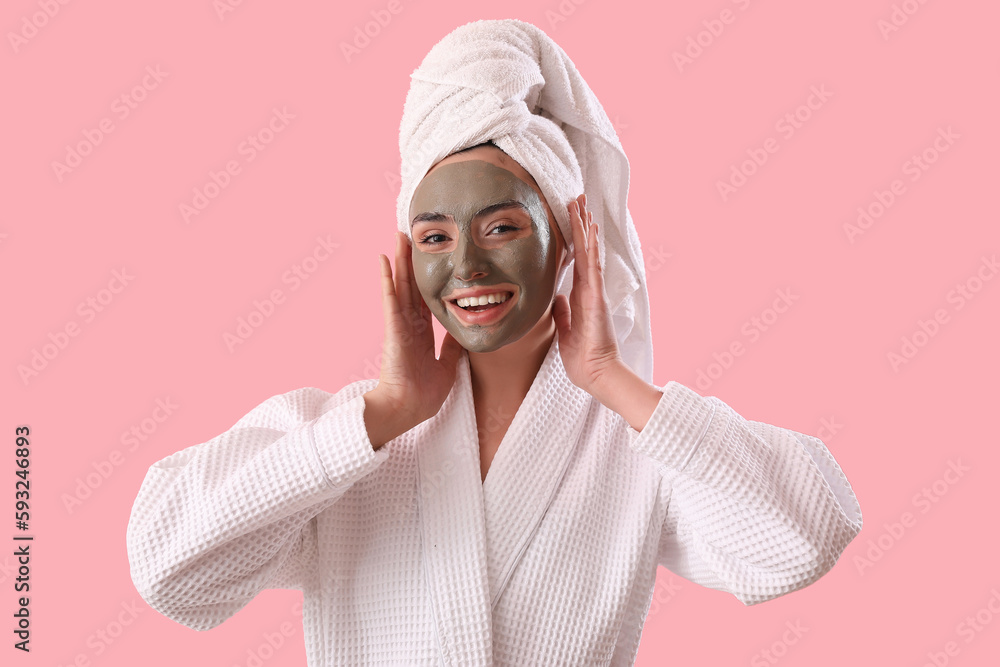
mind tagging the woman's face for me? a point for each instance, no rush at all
(480, 230)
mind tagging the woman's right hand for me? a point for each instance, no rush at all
(413, 383)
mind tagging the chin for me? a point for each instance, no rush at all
(481, 346)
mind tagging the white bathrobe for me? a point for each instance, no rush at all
(405, 557)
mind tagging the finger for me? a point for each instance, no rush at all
(417, 299)
(594, 249)
(561, 315)
(579, 243)
(403, 273)
(595, 273)
(421, 308)
(579, 238)
(390, 307)
(584, 261)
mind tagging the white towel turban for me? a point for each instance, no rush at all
(507, 82)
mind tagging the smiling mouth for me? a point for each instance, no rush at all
(482, 303)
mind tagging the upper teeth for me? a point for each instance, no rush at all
(497, 297)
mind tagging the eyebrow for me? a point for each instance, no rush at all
(434, 216)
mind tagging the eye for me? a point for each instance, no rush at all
(427, 239)
(504, 228)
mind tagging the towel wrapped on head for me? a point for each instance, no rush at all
(506, 82)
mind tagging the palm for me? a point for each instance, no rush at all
(587, 340)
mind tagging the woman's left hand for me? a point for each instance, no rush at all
(587, 342)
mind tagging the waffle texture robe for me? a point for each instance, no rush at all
(406, 557)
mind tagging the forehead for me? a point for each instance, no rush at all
(455, 188)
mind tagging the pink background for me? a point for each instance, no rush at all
(902, 590)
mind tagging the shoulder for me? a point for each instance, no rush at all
(302, 405)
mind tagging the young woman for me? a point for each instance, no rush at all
(508, 501)
(483, 230)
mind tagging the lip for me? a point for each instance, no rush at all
(479, 291)
(487, 316)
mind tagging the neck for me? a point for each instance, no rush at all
(509, 371)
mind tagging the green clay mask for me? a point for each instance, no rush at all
(478, 226)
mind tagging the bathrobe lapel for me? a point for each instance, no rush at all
(475, 533)
(529, 465)
(454, 533)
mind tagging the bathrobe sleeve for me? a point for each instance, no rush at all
(752, 509)
(216, 523)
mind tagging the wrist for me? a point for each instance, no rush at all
(385, 418)
(610, 382)
(621, 390)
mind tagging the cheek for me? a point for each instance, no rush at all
(530, 259)
(422, 287)
(428, 271)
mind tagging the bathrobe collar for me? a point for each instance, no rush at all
(475, 532)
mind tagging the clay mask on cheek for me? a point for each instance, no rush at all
(458, 244)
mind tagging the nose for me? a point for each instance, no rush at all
(470, 261)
